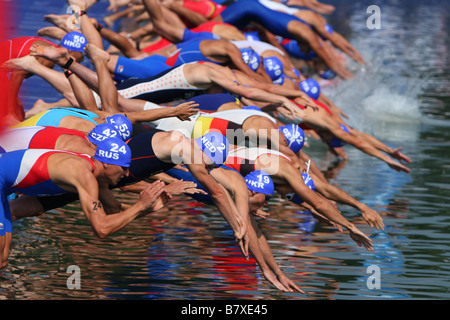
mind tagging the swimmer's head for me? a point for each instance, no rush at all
(74, 41)
(215, 145)
(280, 80)
(122, 124)
(327, 74)
(113, 151)
(273, 67)
(336, 142)
(252, 36)
(294, 136)
(309, 183)
(311, 87)
(102, 132)
(251, 58)
(260, 182)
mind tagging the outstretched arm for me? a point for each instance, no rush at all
(323, 206)
(258, 244)
(83, 181)
(334, 193)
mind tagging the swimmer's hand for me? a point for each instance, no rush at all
(185, 110)
(261, 213)
(395, 153)
(360, 238)
(243, 243)
(372, 218)
(288, 284)
(154, 197)
(182, 187)
(397, 166)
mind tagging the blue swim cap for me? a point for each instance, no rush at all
(294, 135)
(215, 145)
(113, 151)
(311, 87)
(252, 108)
(293, 48)
(260, 182)
(309, 183)
(327, 74)
(102, 132)
(273, 67)
(74, 41)
(252, 36)
(251, 58)
(280, 80)
(336, 142)
(122, 124)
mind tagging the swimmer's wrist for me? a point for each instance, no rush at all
(68, 63)
(68, 73)
(80, 13)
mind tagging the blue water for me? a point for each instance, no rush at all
(187, 252)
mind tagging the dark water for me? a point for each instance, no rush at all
(187, 252)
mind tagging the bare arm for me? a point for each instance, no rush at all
(183, 111)
(226, 79)
(81, 179)
(293, 177)
(331, 192)
(258, 245)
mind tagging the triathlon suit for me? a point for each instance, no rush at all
(223, 121)
(165, 87)
(144, 162)
(26, 171)
(244, 159)
(242, 12)
(206, 8)
(185, 52)
(36, 137)
(273, 5)
(293, 48)
(52, 117)
(189, 51)
(208, 26)
(212, 102)
(127, 68)
(189, 34)
(18, 47)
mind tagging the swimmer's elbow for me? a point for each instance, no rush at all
(102, 232)
(217, 193)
